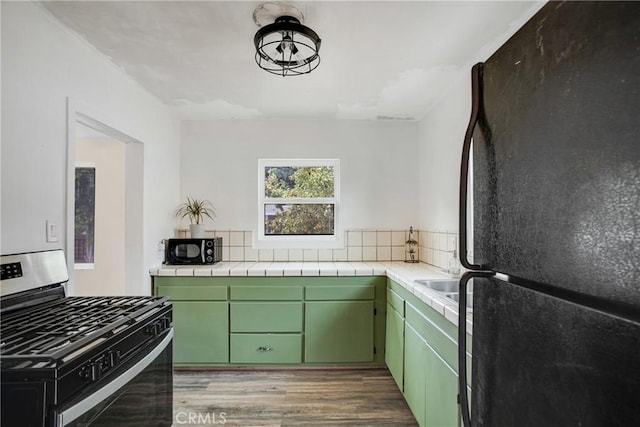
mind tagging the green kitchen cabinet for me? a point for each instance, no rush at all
(431, 385)
(441, 405)
(415, 378)
(394, 339)
(430, 358)
(394, 352)
(276, 320)
(201, 332)
(339, 331)
(200, 319)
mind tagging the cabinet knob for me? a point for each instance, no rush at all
(263, 349)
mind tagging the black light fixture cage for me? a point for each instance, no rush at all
(287, 48)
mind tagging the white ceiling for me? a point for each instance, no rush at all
(379, 59)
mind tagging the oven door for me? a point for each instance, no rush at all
(141, 395)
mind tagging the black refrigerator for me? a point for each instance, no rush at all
(554, 149)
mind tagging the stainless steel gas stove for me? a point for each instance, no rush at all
(80, 361)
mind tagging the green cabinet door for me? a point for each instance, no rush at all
(430, 384)
(338, 331)
(201, 332)
(394, 345)
(441, 403)
(415, 349)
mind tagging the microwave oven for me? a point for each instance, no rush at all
(192, 251)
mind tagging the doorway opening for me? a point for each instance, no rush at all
(104, 239)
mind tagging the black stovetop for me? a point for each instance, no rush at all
(48, 334)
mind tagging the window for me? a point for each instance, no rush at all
(85, 214)
(298, 204)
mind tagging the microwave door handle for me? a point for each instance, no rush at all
(476, 96)
(202, 254)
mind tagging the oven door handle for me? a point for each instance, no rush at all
(70, 414)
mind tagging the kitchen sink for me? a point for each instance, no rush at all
(456, 298)
(440, 285)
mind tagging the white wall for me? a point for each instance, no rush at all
(43, 64)
(219, 161)
(441, 134)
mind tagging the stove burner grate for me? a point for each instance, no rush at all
(51, 331)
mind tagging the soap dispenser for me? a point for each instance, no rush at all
(454, 265)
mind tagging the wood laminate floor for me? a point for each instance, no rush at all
(344, 397)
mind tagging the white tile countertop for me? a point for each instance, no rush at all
(402, 273)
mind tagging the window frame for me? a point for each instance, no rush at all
(264, 241)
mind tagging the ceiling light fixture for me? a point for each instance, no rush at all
(285, 47)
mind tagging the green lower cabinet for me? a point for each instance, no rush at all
(339, 332)
(415, 379)
(276, 320)
(394, 341)
(441, 403)
(430, 384)
(266, 348)
(201, 332)
(430, 359)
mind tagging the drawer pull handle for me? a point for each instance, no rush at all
(263, 349)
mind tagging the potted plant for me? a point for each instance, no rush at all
(196, 210)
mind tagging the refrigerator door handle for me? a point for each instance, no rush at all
(463, 397)
(476, 96)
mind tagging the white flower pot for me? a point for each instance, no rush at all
(196, 230)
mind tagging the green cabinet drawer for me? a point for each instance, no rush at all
(396, 301)
(336, 293)
(266, 316)
(193, 292)
(266, 293)
(266, 348)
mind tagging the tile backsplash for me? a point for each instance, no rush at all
(437, 247)
(434, 247)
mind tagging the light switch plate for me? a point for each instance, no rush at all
(52, 232)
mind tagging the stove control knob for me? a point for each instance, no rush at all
(156, 328)
(113, 357)
(96, 371)
(166, 323)
(92, 371)
(153, 329)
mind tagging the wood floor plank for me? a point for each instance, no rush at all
(282, 398)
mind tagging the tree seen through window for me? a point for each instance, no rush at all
(296, 200)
